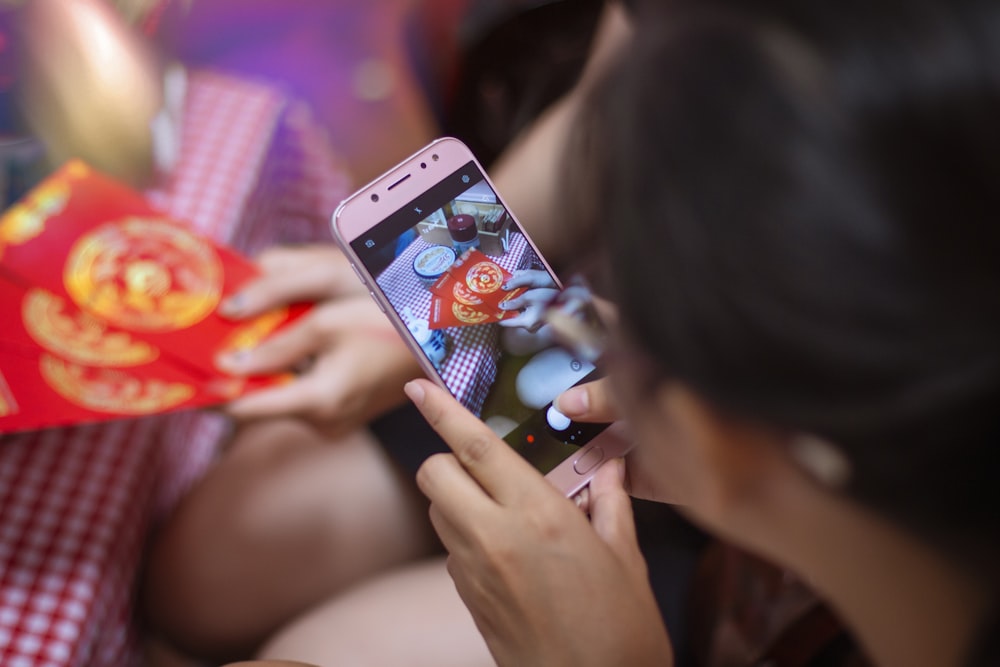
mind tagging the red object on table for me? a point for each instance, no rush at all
(76, 503)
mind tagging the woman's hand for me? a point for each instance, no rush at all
(544, 586)
(530, 278)
(531, 304)
(593, 403)
(307, 273)
(353, 363)
(541, 289)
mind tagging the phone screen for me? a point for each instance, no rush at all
(445, 262)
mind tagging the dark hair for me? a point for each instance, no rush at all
(809, 193)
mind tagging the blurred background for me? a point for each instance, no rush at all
(87, 78)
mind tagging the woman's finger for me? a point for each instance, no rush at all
(455, 497)
(535, 297)
(454, 540)
(529, 278)
(280, 352)
(292, 275)
(590, 402)
(504, 475)
(517, 303)
(317, 332)
(525, 320)
(292, 398)
(611, 510)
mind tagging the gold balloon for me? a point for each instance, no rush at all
(92, 86)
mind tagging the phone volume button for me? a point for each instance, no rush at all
(357, 273)
(377, 302)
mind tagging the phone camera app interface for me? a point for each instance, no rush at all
(471, 289)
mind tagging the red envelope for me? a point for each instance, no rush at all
(43, 390)
(98, 286)
(96, 243)
(470, 293)
(445, 313)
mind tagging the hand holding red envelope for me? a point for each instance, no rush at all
(110, 308)
(470, 293)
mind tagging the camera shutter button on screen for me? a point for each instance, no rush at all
(556, 419)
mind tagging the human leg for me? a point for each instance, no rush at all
(411, 616)
(284, 520)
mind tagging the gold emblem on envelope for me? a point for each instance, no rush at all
(468, 315)
(74, 335)
(464, 295)
(26, 220)
(111, 390)
(144, 274)
(485, 278)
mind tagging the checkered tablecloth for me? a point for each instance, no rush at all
(76, 503)
(471, 365)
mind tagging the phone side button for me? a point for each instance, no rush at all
(377, 302)
(357, 273)
(588, 461)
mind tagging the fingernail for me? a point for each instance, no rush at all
(415, 392)
(574, 402)
(233, 306)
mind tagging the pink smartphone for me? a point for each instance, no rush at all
(439, 251)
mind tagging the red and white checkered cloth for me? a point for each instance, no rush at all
(471, 365)
(76, 503)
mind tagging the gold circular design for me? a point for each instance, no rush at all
(464, 295)
(468, 315)
(111, 390)
(145, 274)
(77, 336)
(484, 278)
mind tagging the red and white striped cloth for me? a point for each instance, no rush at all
(471, 365)
(76, 503)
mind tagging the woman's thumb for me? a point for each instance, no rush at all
(611, 509)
